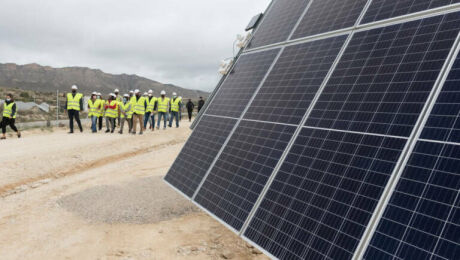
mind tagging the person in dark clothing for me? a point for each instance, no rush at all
(9, 116)
(74, 104)
(190, 106)
(200, 104)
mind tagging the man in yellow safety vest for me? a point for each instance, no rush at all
(112, 110)
(126, 110)
(140, 105)
(9, 116)
(174, 108)
(119, 99)
(74, 104)
(163, 108)
(94, 106)
(150, 111)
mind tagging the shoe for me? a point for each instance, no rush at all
(133, 133)
(120, 132)
(107, 131)
(164, 128)
(158, 128)
(141, 133)
(112, 131)
(19, 135)
(71, 132)
(81, 130)
(2, 138)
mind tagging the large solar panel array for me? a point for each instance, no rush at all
(340, 141)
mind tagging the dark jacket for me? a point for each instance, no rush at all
(200, 103)
(190, 106)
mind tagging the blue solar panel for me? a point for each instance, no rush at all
(235, 93)
(324, 194)
(198, 153)
(444, 121)
(329, 15)
(278, 23)
(384, 9)
(294, 80)
(384, 77)
(422, 219)
(242, 170)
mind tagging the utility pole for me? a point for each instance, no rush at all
(57, 107)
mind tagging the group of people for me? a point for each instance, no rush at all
(131, 109)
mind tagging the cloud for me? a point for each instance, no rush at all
(175, 41)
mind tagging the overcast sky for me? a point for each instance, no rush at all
(171, 41)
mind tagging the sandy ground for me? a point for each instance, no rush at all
(101, 196)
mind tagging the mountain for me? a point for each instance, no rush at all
(47, 79)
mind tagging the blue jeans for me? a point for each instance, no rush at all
(94, 124)
(146, 119)
(152, 123)
(174, 115)
(165, 117)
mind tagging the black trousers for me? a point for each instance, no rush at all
(74, 114)
(190, 112)
(8, 122)
(99, 119)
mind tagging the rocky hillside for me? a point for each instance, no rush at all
(47, 79)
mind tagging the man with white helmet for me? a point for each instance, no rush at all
(101, 110)
(112, 110)
(119, 99)
(94, 106)
(150, 111)
(73, 105)
(174, 108)
(163, 108)
(140, 106)
(126, 109)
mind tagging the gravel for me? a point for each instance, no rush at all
(148, 200)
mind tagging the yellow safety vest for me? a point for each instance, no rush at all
(139, 105)
(100, 111)
(175, 105)
(129, 113)
(112, 112)
(163, 104)
(151, 104)
(94, 107)
(74, 102)
(8, 110)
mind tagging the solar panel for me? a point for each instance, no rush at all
(240, 85)
(384, 9)
(444, 121)
(422, 219)
(242, 170)
(278, 23)
(329, 15)
(324, 194)
(198, 153)
(384, 77)
(294, 80)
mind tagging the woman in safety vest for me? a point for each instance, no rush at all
(111, 112)
(94, 105)
(9, 116)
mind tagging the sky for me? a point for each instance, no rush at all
(171, 41)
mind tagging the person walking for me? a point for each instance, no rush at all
(140, 105)
(74, 104)
(9, 116)
(150, 111)
(126, 110)
(174, 108)
(94, 105)
(101, 111)
(163, 107)
(119, 99)
(111, 112)
(200, 104)
(190, 106)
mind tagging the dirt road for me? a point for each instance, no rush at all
(100, 196)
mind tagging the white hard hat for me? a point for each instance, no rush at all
(163, 92)
(94, 93)
(174, 94)
(145, 93)
(131, 91)
(74, 87)
(99, 94)
(116, 90)
(136, 91)
(150, 91)
(113, 95)
(125, 95)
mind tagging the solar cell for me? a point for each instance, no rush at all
(294, 80)
(329, 15)
(384, 77)
(235, 93)
(278, 23)
(384, 9)
(198, 153)
(242, 170)
(422, 219)
(444, 121)
(324, 194)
